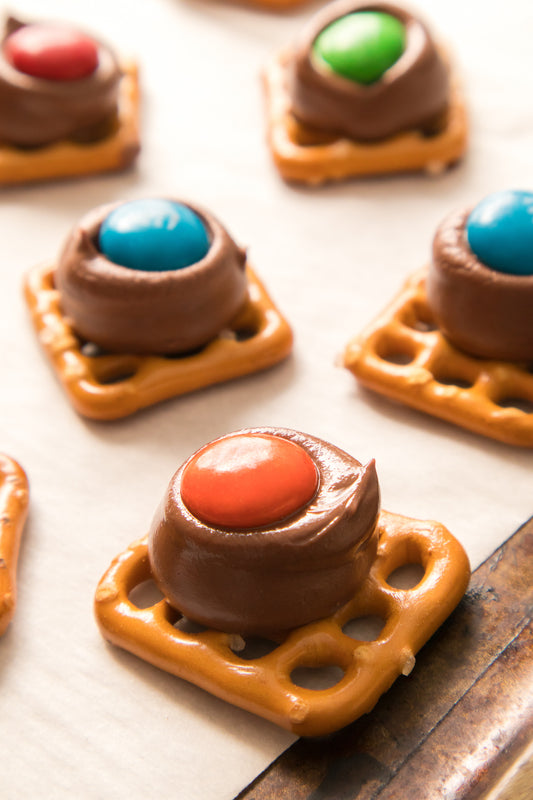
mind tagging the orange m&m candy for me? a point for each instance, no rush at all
(248, 481)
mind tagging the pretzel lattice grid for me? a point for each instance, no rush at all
(110, 386)
(210, 659)
(402, 355)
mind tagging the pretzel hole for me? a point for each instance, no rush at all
(306, 136)
(238, 334)
(255, 647)
(419, 317)
(519, 403)
(145, 594)
(109, 368)
(116, 373)
(243, 334)
(452, 380)
(90, 350)
(406, 577)
(317, 678)
(96, 132)
(186, 625)
(396, 353)
(247, 323)
(364, 629)
(27, 148)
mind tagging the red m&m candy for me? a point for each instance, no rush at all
(248, 481)
(52, 52)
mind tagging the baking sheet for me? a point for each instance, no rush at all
(79, 718)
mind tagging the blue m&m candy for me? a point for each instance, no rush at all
(154, 235)
(500, 232)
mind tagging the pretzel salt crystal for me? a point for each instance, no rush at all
(13, 510)
(438, 378)
(210, 659)
(112, 386)
(67, 159)
(306, 156)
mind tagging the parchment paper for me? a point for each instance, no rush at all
(78, 717)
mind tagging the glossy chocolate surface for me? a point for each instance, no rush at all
(482, 311)
(35, 112)
(127, 310)
(277, 577)
(412, 94)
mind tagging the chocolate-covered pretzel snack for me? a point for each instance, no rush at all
(148, 300)
(67, 106)
(365, 90)
(274, 533)
(280, 574)
(457, 342)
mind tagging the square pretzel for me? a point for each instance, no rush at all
(67, 159)
(14, 498)
(301, 157)
(263, 685)
(404, 356)
(114, 385)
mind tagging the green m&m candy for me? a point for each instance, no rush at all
(361, 46)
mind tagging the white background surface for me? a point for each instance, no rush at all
(77, 717)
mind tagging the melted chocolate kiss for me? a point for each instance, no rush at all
(482, 311)
(411, 95)
(280, 576)
(136, 311)
(37, 112)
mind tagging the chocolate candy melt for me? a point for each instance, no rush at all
(411, 95)
(139, 311)
(36, 111)
(286, 573)
(481, 310)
